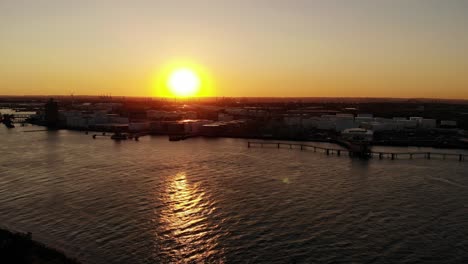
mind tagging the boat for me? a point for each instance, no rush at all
(177, 137)
(119, 136)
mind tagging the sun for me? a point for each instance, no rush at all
(183, 82)
(181, 78)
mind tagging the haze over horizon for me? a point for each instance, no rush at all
(298, 48)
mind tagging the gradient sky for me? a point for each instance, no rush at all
(367, 48)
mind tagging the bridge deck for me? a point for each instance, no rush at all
(380, 154)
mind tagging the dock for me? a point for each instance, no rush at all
(371, 154)
(120, 136)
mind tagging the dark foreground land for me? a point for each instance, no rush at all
(19, 248)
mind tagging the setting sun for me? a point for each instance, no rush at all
(182, 78)
(184, 82)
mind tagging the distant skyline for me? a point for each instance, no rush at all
(257, 48)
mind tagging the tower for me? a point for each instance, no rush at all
(51, 113)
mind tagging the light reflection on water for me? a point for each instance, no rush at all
(184, 222)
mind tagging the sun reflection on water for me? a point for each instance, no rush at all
(188, 235)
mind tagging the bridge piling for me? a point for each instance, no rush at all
(350, 152)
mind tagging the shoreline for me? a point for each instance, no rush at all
(375, 143)
(16, 247)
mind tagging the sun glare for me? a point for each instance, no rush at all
(183, 82)
(182, 78)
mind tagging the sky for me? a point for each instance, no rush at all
(259, 48)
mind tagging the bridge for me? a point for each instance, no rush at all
(369, 154)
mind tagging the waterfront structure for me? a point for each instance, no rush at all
(360, 150)
(279, 122)
(163, 115)
(139, 126)
(229, 128)
(89, 119)
(341, 122)
(6, 119)
(51, 113)
(357, 134)
(448, 124)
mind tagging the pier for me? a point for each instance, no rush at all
(119, 135)
(371, 154)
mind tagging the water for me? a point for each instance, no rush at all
(217, 201)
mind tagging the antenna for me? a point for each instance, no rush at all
(72, 98)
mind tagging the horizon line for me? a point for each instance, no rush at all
(241, 97)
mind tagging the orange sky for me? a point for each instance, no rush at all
(244, 48)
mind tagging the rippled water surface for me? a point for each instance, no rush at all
(215, 201)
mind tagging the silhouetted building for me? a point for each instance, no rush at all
(51, 113)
